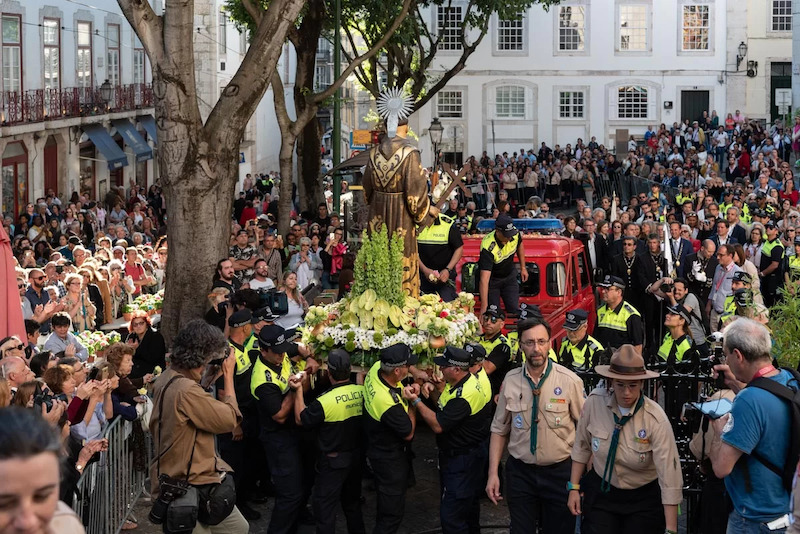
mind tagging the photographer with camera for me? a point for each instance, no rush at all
(187, 473)
(677, 293)
(753, 456)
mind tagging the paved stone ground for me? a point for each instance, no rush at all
(422, 501)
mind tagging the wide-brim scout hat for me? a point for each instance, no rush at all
(626, 364)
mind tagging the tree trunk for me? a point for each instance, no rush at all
(308, 153)
(285, 202)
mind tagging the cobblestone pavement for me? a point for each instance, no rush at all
(422, 501)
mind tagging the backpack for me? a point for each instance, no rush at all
(792, 397)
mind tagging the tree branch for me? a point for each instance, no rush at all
(148, 26)
(319, 97)
(242, 95)
(254, 10)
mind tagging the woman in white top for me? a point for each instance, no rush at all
(297, 304)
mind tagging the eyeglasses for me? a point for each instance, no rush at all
(12, 347)
(20, 286)
(491, 318)
(38, 277)
(138, 323)
(531, 342)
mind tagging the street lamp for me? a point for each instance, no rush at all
(435, 130)
(107, 93)
(742, 49)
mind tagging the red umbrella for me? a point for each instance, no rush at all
(11, 322)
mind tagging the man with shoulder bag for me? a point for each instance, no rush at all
(192, 487)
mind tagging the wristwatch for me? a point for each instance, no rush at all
(571, 486)
(79, 467)
(416, 401)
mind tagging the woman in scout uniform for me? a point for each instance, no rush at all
(678, 340)
(635, 484)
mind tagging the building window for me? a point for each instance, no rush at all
(138, 61)
(570, 104)
(632, 102)
(323, 77)
(223, 32)
(696, 27)
(83, 62)
(781, 16)
(51, 67)
(112, 40)
(510, 102)
(510, 36)
(449, 25)
(633, 27)
(12, 53)
(571, 28)
(448, 104)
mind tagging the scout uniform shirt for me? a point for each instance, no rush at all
(558, 409)
(386, 421)
(646, 450)
(337, 413)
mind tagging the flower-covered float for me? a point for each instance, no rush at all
(377, 313)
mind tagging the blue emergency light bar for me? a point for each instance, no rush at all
(542, 226)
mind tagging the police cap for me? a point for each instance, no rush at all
(797, 240)
(338, 360)
(612, 281)
(398, 355)
(477, 352)
(529, 311)
(263, 314)
(505, 225)
(275, 338)
(493, 310)
(454, 357)
(576, 319)
(240, 318)
(741, 276)
(678, 309)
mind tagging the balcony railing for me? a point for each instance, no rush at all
(40, 105)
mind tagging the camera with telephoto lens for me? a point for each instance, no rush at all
(169, 489)
(715, 358)
(274, 299)
(667, 288)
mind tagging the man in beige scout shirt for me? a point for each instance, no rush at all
(537, 410)
(635, 485)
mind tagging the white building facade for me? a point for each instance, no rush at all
(587, 68)
(75, 102)
(759, 78)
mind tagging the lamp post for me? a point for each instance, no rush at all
(742, 52)
(336, 136)
(107, 93)
(435, 130)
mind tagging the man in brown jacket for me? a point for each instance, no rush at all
(184, 430)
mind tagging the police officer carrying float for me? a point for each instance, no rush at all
(337, 414)
(498, 274)
(478, 355)
(579, 350)
(537, 410)
(243, 442)
(618, 323)
(440, 248)
(269, 385)
(497, 346)
(389, 424)
(461, 424)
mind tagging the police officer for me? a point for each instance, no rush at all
(537, 410)
(579, 350)
(461, 424)
(337, 414)
(261, 318)
(269, 385)
(618, 323)
(739, 280)
(389, 425)
(440, 248)
(745, 305)
(464, 219)
(793, 271)
(243, 442)
(635, 486)
(769, 271)
(499, 358)
(678, 339)
(478, 354)
(498, 274)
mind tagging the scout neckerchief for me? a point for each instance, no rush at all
(535, 411)
(605, 486)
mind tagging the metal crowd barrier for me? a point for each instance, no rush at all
(109, 488)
